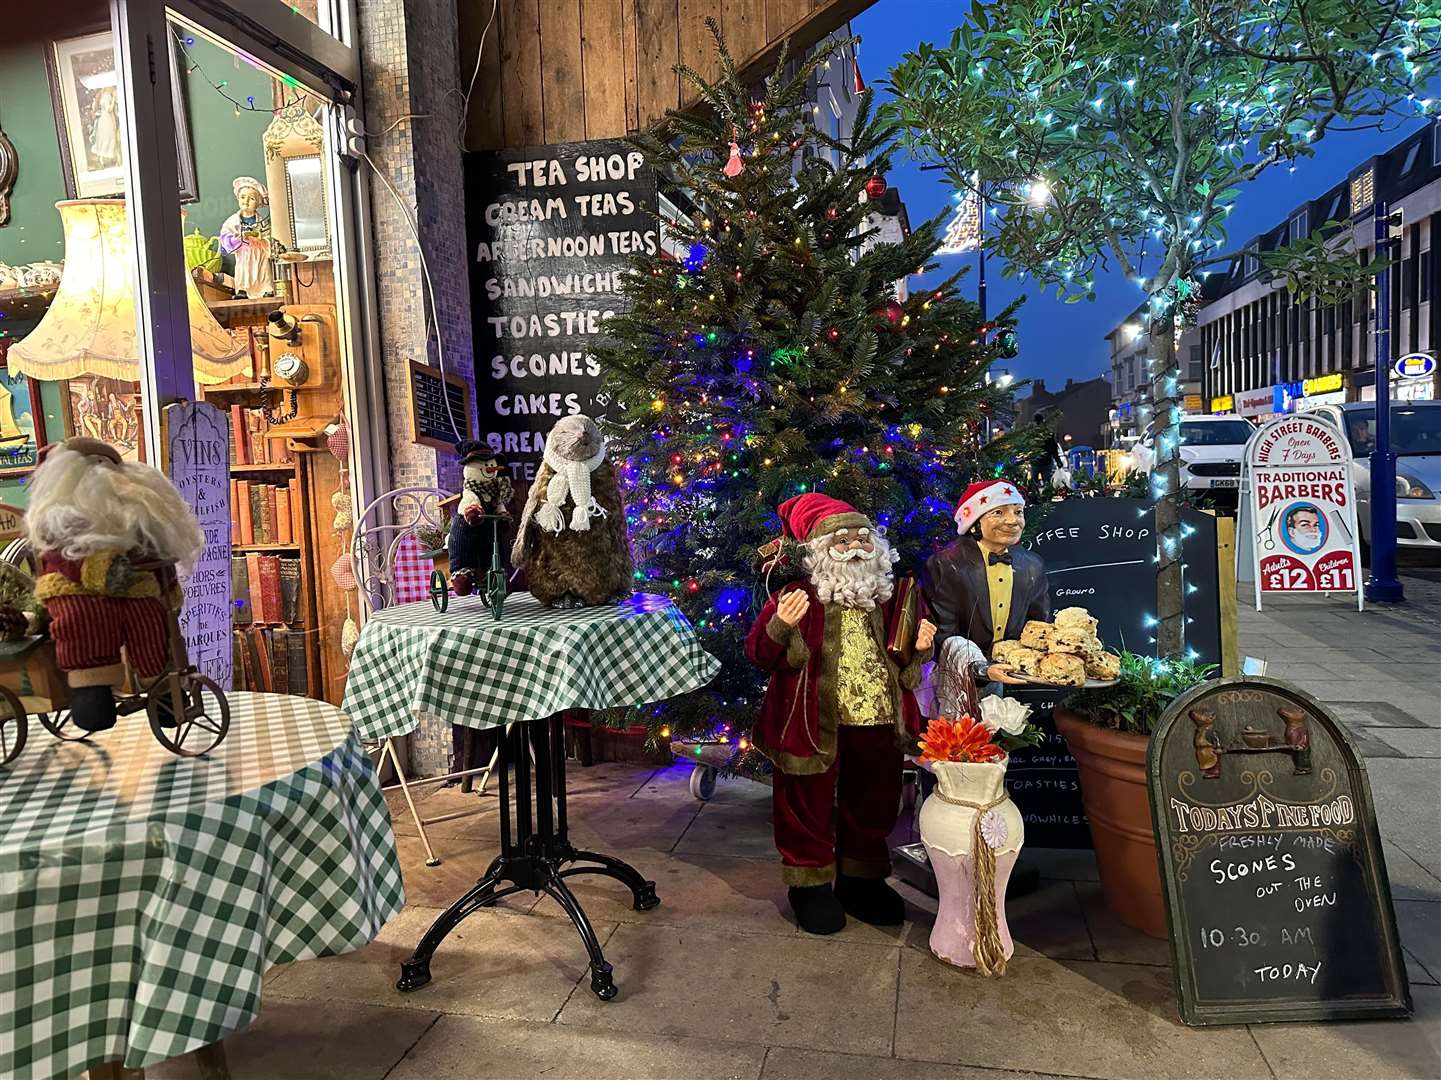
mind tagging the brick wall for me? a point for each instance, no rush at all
(410, 66)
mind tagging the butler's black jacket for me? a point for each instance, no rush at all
(960, 600)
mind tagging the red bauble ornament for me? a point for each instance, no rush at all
(832, 213)
(833, 335)
(891, 313)
(825, 236)
(876, 187)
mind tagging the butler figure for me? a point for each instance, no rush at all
(836, 715)
(982, 586)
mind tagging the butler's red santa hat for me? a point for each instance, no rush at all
(808, 516)
(982, 497)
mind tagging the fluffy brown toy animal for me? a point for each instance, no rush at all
(572, 536)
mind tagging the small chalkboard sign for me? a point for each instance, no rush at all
(431, 422)
(1275, 886)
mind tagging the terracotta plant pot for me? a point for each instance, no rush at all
(1113, 790)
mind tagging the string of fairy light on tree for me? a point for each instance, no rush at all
(770, 357)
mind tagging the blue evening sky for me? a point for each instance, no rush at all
(1060, 341)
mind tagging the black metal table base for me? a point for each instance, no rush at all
(535, 854)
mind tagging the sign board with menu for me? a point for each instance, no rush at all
(1275, 885)
(197, 449)
(1300, 507)
(439, 407)
(552, 234)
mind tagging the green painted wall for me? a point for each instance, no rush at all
(226, 145)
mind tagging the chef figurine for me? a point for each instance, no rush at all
(246, 236)
(982, 586)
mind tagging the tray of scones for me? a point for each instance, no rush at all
(1065, 652)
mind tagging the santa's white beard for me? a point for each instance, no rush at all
(859, 583)
(80, 507)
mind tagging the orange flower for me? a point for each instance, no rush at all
(958, 740)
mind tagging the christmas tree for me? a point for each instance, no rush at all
(774, 357)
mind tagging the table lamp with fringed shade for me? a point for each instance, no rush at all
(89, 328)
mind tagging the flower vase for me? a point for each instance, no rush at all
(973, 833)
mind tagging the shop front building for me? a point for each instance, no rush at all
(241, 274)
(1261, 343)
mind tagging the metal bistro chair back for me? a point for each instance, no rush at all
(381, 547)
(384, 554)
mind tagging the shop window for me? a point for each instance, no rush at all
(1253, 261)
(261, 249)
(1363, 190)
(1428, 271)
(1412, 153)
(1408, 281)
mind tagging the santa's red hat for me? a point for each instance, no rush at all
(984, 496)
(807, 516)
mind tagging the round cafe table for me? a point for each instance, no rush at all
(143, 896)
(521, 673)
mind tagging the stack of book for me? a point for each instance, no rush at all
(268, 638)
(265, 513)
(251, 442)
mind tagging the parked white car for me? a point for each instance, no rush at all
(1211, 451)
(1416, 438)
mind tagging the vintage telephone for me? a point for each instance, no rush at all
(300, 341)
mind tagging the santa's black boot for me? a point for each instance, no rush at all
(817, 909)
(871, 900)
(92, 707)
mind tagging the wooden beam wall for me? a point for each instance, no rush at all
(559, 70)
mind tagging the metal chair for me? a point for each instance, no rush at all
(383, 554)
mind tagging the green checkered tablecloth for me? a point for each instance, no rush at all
(465, 668)
(144, 896)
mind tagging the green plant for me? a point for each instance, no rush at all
(1145, 688)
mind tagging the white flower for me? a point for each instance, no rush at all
(994, 830)
(1004, 714)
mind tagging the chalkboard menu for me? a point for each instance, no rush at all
(1275, 886)
(198, 464)
(552, 231)
(434, 420)
(1099, 555)
(1043, 780)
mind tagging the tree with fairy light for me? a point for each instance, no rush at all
(775, 358)
(1119, 132)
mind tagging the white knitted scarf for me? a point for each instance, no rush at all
(572, 478)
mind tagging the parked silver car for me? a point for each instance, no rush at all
(1416, 438)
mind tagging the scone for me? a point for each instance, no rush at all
(1075, 618)
(1062, 669)
(1003, 651)
(1026, 661)
(1103, 666)
(1036, 635)
(1076, 641)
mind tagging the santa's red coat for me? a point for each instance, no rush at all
(797, 725)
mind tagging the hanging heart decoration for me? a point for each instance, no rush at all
(344, 511)
(349, 636)
(338, 443)
(343, 573)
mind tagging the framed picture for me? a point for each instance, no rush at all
(22, 421)
(85, 95)
(108, 410)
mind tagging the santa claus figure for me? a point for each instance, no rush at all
(982, 586)
(109, 535)
(837, 716)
